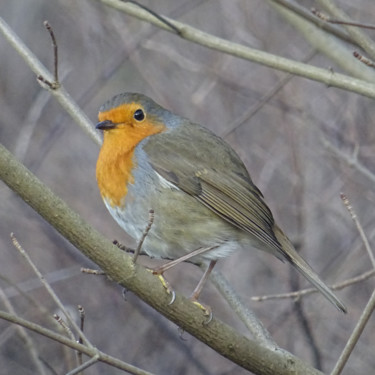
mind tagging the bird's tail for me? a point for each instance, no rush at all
(301, 265)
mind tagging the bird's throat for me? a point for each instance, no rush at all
(114, 173)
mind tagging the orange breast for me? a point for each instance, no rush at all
(114, 173)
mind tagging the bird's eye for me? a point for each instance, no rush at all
(139, 115)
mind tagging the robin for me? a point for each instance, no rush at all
(205, 204)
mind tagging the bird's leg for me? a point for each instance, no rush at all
(161, 269)
(198, 289)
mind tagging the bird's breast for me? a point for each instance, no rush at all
(114, 173)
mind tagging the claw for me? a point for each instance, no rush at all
(166, 286)
(207, 311)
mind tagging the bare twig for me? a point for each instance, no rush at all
(350, 160)
(29, 342)
(364, 59)
(50, 290)
(156, 15)
(85, 365)
(304, 292)
(356, 33)
(329, 19)
(354, 217)
(64, 326)
(92, 352)
(144, 235)
(55, 84)
(355, 335)
(303, 12)
(40, 70)
(91, 271)
(82, 321)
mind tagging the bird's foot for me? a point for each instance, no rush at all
(207, 311)
(165, 284)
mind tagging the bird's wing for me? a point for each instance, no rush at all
(204, 166)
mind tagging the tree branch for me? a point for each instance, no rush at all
(197, 36)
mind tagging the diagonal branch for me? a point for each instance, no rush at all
(197, 36)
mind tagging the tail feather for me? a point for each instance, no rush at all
(302, 266)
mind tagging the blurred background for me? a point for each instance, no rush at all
(282, 139)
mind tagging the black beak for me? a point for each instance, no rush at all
(105, 125)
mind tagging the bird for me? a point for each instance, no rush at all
(204, 201)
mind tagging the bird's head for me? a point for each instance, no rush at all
(129, 118)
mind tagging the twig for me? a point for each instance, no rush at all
(304, 292)
(29, 342)
(157, 16)
(49, 289)
(73, 344)
(350, 160)
(364, 59)
(137, 251)
(354, 217)
(85, 365)
(81, 312)
(365, 316)
(90, 271)
(55, 84)
(303, 12)
(360, 38)
(329, 19)
(64, 326)
(40, 70)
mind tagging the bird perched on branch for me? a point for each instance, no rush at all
(204, 201)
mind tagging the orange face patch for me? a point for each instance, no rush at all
(116, 158)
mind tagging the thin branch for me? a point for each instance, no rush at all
(81, 312)
(306, 14)
(363, 59)
(92, 352)
(90, 271)
(64, 326)
(29, 342)
(356, 34)
(365, 316)
(144, 235)
(350, 160)
(354, 217)
(304, 292)
(40, 70)
(84, 366)
(55, 84)
(156, 15)
(329, 19)
(49, 289)
(263, 100)
(277, 62)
